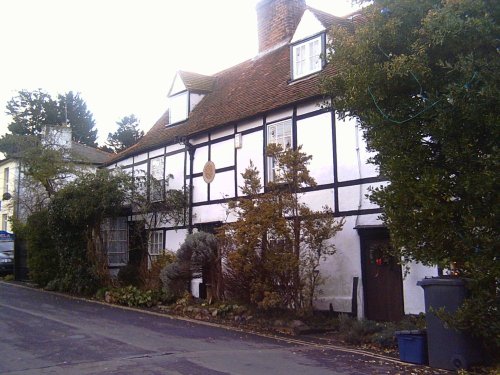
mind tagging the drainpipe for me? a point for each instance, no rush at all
(358, 155)
(191, 150)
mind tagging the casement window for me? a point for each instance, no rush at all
(157, 179)
(5, 221)
(140, 180)
(6, 180)
(115, 236)
(155, 246)
(306, 57)
(178, 108)
(278, 133)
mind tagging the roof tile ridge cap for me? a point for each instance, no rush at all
(270, 50)
(312, 9)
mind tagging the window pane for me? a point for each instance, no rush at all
(278, 133)
(307, 57)
(178, 107)
(156, 180)
(115, 236)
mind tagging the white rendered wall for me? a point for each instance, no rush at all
(413, 295)
(174, 239)
(339, 271)
(250, 124)
(349, 138)
(316, 200)
(125, 162)
(356, 196)
(155, 153)
(252, 149)
(200, 191)
(174, 165)
(200, 158)
(305, 108)
(140, 158)
(219, 133)
(279, 115)
(222, 153)
(209, 213)
(315, 136)
(222, 186)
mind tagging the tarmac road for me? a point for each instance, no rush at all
(47, 333)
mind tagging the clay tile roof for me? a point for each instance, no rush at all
(251, 88)
(197, 82)
(326, 19)
(87, 154)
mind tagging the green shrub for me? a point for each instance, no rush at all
(101, 293)
(129, 275)
(43, 257)
(134, 297)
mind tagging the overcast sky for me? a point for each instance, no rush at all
(121, 55)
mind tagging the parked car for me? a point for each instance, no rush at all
(6, 264)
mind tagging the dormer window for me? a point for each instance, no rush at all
(179, 105)
(307, 57)
(187, 90)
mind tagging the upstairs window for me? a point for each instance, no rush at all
(306, 57)
(179, 107)
(278, 133)
(6, 180)
(157, 179)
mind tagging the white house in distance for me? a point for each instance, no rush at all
(20, 197)
(216, 124)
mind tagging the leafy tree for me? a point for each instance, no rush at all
(72, 107)
(76, 215)
(45, 165)
(422, 79)
(275, 246)
(127, 134)
(32, 110)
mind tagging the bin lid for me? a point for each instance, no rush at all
(411, 332)
(443, 280)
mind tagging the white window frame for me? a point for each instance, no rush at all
(5, 221)
(280, 132)
(6, 176)
(307, 57)
(157, 179)
(155, 243)
(178, 107)
(115, 236)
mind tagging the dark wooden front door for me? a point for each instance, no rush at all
(382, 279)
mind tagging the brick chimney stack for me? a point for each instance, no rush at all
(277, 21)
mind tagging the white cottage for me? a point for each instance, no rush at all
(216, 124)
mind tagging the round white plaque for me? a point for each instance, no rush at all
(209, 172)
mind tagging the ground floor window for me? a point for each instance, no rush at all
(115, 235)
(5, 221)
(155, 247)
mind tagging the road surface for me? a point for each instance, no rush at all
(47, 333)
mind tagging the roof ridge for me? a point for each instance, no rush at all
(91, 147)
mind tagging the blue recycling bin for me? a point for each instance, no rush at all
(412, 346)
